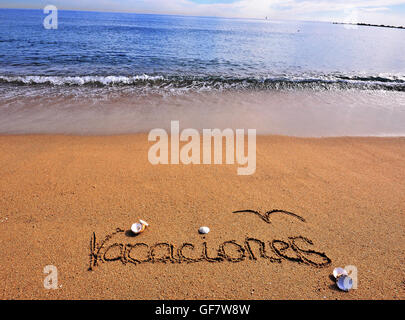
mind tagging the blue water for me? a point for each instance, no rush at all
(198, 52)
(113, 73)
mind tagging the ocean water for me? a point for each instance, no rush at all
(101, 69)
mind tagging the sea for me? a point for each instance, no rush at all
(120, 73)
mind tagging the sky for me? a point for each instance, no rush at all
(390, 12)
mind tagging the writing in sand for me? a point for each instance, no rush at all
(294, 249)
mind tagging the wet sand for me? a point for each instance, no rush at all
(58, 193)
(110, 111)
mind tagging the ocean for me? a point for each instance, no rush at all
(113, 73)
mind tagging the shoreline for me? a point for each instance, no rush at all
(57, 191)
(296, 113)
(145, 134)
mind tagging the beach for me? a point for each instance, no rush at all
(62, 196)
(321, 107)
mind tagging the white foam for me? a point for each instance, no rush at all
(79, 80)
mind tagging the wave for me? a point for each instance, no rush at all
(334, 81)
(78, 80)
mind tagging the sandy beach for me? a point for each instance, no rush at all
(69, 201)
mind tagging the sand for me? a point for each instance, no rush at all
(56, 191)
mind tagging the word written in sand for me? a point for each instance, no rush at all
(190, 152)
(274, 251)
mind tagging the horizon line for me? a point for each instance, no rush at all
(172, 14)
(215, 17)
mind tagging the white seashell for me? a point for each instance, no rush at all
(338, 272)
(137, 227)
(204, 230)
(344, 283)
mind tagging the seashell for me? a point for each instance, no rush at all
(204, 230)
(138, 227)
(338, 272)
(144, 222)
(344, 283)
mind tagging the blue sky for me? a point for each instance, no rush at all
(370, 11)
